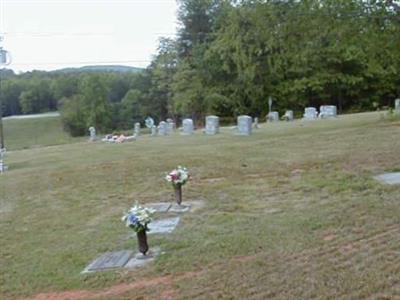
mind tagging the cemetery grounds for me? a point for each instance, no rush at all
(290, 212)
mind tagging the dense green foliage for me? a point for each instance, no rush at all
(227, 59)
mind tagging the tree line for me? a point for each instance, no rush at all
(228, 58)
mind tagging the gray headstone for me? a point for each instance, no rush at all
(163, 226)
(310, 113)
(136, 130)
(327, 111)
(244, 125)
(212, 125)
(397, 105)
(187, 126)
(92, 132)
(162, 128)
(109, 260)
(389, 178)
(288, 116)
(273, 116)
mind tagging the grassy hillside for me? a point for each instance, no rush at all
(35, 132)
(291, 212)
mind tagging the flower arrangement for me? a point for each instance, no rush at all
(138, 218)
(178, 176)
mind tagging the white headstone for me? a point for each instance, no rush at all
(92, 132)
(310, 113)
(187, 125)
(255, 124)
(153, 130)
(3, 166)
(327, 111)
(162, 128)
(136, 130)
(212, 125)
(170, 126)
(149, 122)
(397, 105)
(244, 125)
(273, 116)
(288, 116)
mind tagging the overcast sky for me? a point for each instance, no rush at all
(52, 34)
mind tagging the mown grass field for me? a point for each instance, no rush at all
(291, 212)
(35, 132)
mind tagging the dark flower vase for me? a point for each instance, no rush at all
(178, 194)
(142, 242)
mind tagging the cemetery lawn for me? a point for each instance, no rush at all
(35, 132)
(291, 212)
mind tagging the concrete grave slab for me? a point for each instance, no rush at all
(176, 208)
(139, 260)
(159, 206)
(109, 260)
(389, 178)
(163, 225)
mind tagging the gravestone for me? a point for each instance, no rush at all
(310, 113)
(389, 178)
(136, 131)
(288, 116)
(153, 131)
(92, 132)
(327, 111)
(212, 125)
(397, 105)
(163, 226)
(109, 260)
(149, 122)
(3, 166)
(273, 116)
(255, 124)
(170, 126)
(244, 125)
(187, 125)
(162, 128)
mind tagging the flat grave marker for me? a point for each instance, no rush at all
(163, 226)
(109, 260)
(389, 178)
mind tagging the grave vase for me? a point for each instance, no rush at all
(178, 193)
(142, 242)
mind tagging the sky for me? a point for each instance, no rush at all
(54, 34)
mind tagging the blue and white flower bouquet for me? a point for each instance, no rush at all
(138, 218)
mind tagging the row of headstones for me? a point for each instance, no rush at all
(310, 113)
(244, 123)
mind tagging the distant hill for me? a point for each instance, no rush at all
(101, 68)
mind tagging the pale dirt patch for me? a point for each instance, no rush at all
(119, 289)
(329, 237)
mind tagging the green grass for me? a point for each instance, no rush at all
(292, 212)
(35, 132)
